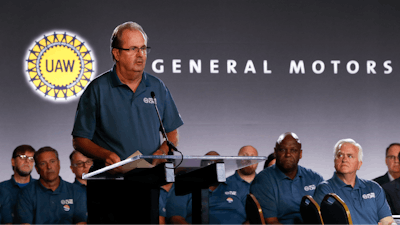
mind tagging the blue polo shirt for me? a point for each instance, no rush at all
(225, 205)
(79, 184)
(5, 209)
(163, 199)
(280, 196)
(244, 186)
(12, 188)
(37, 204)
(366, 201)
(116, 118)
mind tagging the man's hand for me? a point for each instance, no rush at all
(158, 161)
(111, 159)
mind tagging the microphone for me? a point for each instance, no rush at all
(170, 145)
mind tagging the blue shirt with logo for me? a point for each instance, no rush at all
(37, 204)
(366, 201)
(12, 188)
(116, 118)
(163, 199)
(280, 196)
(244, 186)
(225, 205)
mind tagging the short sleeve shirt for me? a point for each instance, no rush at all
(116, 118)
(366, 201)
(37, 204)
(280, 196)
(225, 205)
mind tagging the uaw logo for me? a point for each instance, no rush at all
(59, 66)
(66, 204)
(368, 196)
(148, 100)
(309, 187)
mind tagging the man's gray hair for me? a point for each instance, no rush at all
(116, 35)
(340, 143)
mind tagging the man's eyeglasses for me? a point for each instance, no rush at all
(25, 157)
(80, 164)
(391, 157)
(145, 50)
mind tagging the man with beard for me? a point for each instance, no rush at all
(280, 187)
(244, 176)
(50, 200)
(365, 199)
(116, 114)
(22, 165)
(225, 203)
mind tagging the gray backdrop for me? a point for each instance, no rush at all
(223, 111)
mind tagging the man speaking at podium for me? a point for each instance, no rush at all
(116, 115)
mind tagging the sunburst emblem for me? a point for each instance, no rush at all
(59, 66)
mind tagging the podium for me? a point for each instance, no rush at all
(133, 197)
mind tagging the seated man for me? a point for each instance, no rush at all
(50, 199)
(392, 190)
(246, 175)
(80, 164)
(225, 204)
(392, 163)
(364, 198)
(22, 165)
(165, 193)
(280, 187)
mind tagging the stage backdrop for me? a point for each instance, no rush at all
(241, 73)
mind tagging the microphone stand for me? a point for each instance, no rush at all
(169, 144)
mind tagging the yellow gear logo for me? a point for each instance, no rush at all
(59, 66)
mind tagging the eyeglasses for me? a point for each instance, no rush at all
(25, 157)
(80, 164)
(145, 50)
(391, 157)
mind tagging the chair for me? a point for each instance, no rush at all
(309, 210)
(253, 210)
(334, 210)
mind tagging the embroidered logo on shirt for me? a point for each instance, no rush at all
(368, 196)
(148, 100)
(230, 200)
(230, 192)
(67, 202)
(309, 187)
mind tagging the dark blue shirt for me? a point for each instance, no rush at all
(5, 209)
(225, 205)
(65, 205)
(116, 118)
(280, 196)
(244, 186)
(163, 199)
(366, 201)
(12, 188)
(79, 184)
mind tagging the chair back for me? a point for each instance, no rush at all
(334, 210)
(253, 210)
(310, 211)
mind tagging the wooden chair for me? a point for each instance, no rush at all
(310, 211)
(334, 210)
(253, 210)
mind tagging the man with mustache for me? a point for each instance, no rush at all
(116, 114)
(50, 200)
(280, 187)
(365, 199)
(22, 165)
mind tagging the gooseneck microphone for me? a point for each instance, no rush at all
(170, 145)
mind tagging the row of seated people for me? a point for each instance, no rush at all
(278, 188)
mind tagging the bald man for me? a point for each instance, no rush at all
(225, 204)
(280, 187)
